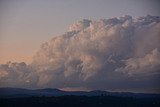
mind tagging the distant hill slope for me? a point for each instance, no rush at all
(48, 92)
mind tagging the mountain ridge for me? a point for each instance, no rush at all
(49, 92)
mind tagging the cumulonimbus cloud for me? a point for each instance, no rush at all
(104, 54)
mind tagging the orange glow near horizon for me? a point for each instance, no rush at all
(15, 58)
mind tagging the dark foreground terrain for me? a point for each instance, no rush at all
(17, 97)
(80, 101)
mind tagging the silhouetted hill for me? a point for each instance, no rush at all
(49, 92)
(17, 97)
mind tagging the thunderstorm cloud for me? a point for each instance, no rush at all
(109, 54)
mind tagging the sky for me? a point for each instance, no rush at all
(26, 24)
(80, 44)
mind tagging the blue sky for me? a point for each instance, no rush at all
(25, 24)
